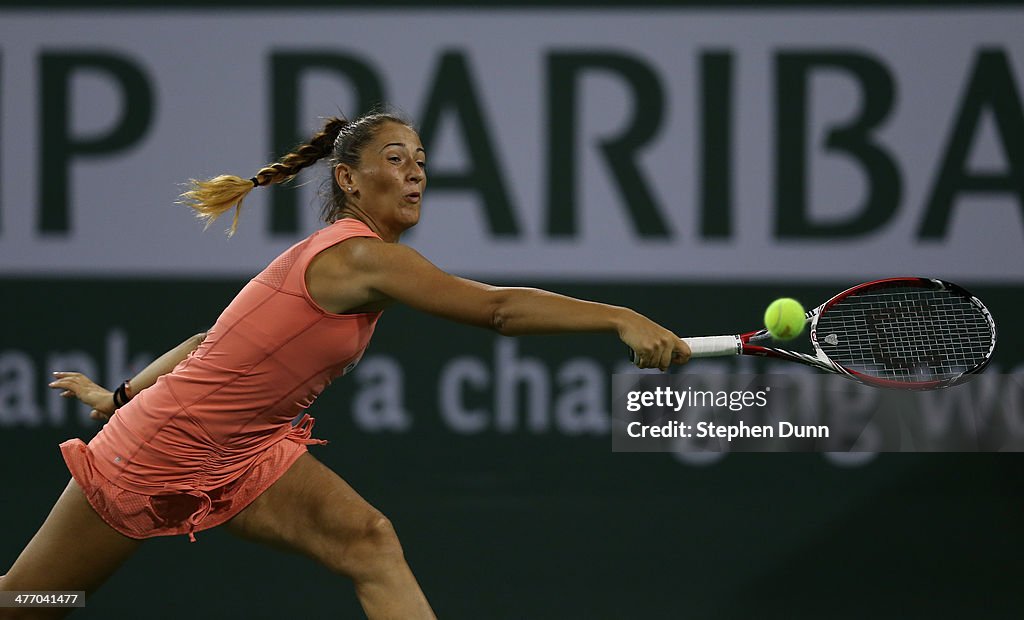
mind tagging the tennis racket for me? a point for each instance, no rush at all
(907, 333)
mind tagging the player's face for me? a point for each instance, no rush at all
(391, 178)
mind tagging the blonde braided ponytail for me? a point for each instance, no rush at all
(212, 198)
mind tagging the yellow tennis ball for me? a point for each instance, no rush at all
(784, 318)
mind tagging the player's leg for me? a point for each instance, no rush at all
(73, 550)
(311, 510)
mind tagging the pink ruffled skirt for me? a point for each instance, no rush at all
(137, 515)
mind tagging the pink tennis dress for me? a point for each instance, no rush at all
(198, 446)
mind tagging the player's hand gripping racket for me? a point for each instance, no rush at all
(909, 333)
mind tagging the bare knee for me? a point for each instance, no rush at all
(363, 551)
(381, 536)
(376, 542)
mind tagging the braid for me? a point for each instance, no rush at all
(214, 197)
(319, 146)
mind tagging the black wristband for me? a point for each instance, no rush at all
(121, 396)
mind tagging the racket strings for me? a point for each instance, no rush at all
(906, 334)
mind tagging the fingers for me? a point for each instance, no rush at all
(66, 378)
(77, 385)
(667, 350)
(647, 359)
(662, 354)
(665, 360)
(681, 354)
(68, 385)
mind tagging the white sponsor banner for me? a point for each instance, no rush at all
(210, 77)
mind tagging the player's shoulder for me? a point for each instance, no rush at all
(367, 253)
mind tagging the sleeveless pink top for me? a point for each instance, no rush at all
(198, 446)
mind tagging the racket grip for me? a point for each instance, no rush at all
(708, 346)
(714, 346)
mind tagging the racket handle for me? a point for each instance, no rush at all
(708, 346)
(714, 346)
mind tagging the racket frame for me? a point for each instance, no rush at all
(748, 343)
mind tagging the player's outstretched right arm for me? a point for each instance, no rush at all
(369, 271)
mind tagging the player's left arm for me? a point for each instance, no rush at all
(77, 385)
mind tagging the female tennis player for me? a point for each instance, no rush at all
(208, 437)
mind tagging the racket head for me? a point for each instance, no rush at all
(908, 333)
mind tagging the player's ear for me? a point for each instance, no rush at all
(345, 176)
